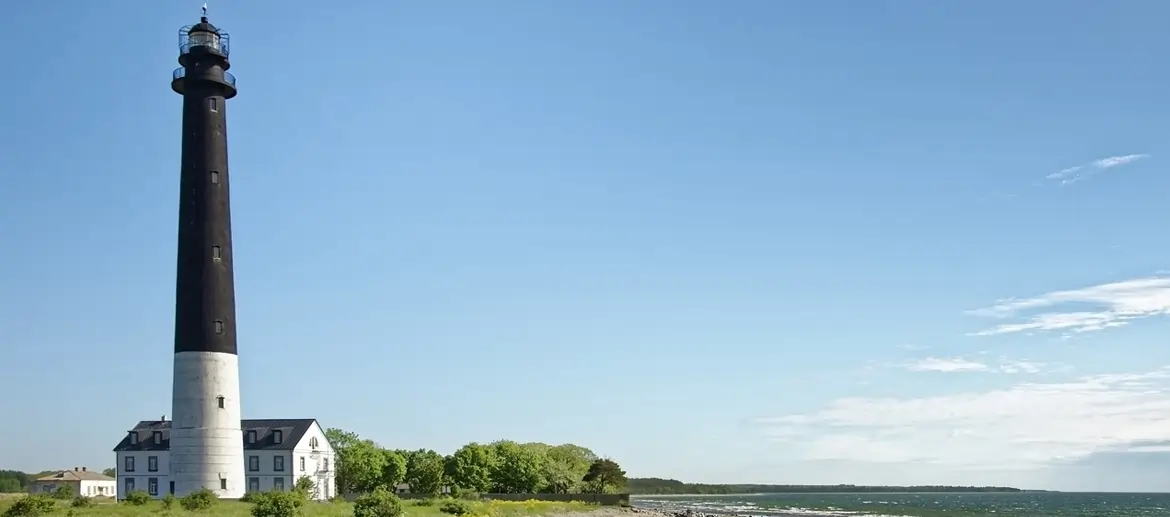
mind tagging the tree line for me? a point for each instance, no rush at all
(15, 481)
(502, 466)
(12, 481)
(648, 486)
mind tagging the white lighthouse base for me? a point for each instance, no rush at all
(207, 445)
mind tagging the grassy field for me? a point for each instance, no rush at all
(109, 508)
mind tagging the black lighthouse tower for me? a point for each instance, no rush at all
(206, 443)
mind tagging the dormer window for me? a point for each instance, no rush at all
(158, 437)
(251, 436)
(277, 436)
(133, 438)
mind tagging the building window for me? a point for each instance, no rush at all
(214, 177)
(129, 486)
(219, 326)
(251, 436)
(222, 484)
(213, 104)
(277, 436)
(302, 463)
(152, 485)
(129, 464)
(157, 437)
(253, 484)
(325, 465)
(278, 484)
(253, 463)
(133, 438)
(216, 253)
(152, 463)
(313, 442)
(219, 400)
(278, 463)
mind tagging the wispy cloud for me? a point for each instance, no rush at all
(1089, 309)
(961, 365)
(1028, 425)
(945, 365)
(1083, 171)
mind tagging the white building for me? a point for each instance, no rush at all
(83, 481)
(276, 454)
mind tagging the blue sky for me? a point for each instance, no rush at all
(752, 241)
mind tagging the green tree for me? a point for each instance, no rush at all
(359, 464)
(566, 466)
(559, 478)
(10, 486)
(112, 472)
(7, 477)
(394, 471)
(424, 471)
(604, 475)
(472, 465)
(518, 469)
(341, 438)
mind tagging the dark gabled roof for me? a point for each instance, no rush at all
(293, 430)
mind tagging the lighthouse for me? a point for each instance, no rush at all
(206, 441)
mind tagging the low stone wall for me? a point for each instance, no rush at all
(601, 499)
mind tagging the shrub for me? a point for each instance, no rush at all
(379, 503)
(455, 507)
(306, 487)
(423, 502)
(464, 493)
(137, 497)
(81, 502)
(277, 504)
(200, 500)
(63, 492)
(168, 502)
(30, 506)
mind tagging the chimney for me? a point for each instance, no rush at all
(162, 418)
(74, 469)
(83, 469)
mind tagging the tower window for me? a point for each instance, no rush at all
(215, 253)
(219, 326)
(215, 176)
(222, 484)
(213, 104)
(219, 400)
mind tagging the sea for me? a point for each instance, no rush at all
(1007, 504)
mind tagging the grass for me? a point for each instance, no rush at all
(105, 507)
